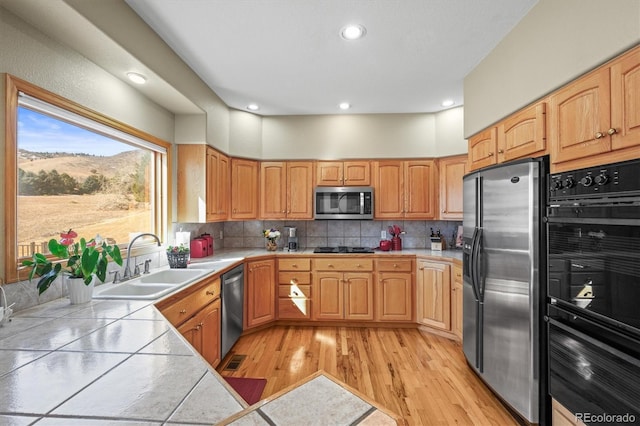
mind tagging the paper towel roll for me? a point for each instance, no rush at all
(183, 238)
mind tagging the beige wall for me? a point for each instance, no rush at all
(362, 136)
(554, 43)
(245, 134)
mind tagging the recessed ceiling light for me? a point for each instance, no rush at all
(447, 103)
(344, 105)
(253, 107)
(353, 32)
(137, 78)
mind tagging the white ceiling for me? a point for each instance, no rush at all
(288, 57)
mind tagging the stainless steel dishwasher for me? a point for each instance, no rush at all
(232, 308)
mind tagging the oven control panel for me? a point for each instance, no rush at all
(617, 179)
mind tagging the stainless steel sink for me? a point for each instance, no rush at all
(152, 286)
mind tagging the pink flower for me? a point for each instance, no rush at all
(66, 241)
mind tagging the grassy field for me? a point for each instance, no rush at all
(44, 217)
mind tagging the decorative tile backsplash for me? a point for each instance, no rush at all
(320, 233)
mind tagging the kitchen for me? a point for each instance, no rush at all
(227, 129)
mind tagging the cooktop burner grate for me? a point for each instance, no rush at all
(343, 249)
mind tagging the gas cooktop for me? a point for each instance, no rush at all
(343, 249)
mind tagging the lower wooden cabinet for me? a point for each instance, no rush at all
(394, 290)
(294, 289)
(456, 301)
(202, 331)
(195, 312)
(260, 293)
(561, 416)
(343, 295)
(434, 294)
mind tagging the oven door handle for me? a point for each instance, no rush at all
(585, 337)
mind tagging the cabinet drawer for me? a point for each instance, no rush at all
(296, 277)
(294, 264)
(297, 308)
(343, 264)
(294, 291)
(394, 265)
(185, 306)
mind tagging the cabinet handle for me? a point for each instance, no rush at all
(295, 293)
(294, 265)
(612, 131)
(599, 135)
(358, 265)
(395, 265)
(444, 211)
(211, 293)
(183, 311)
(490, 154)
(330, 265)
(501, 151)
(421, 268)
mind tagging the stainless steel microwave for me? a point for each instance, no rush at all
(343, 202)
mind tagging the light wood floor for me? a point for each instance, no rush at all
(420, 376)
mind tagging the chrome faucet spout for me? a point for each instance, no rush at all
(127, 271)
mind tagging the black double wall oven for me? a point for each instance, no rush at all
(593, 316)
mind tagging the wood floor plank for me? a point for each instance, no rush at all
(420, 376)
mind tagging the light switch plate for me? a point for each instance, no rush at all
(383, 235)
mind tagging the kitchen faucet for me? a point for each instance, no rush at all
(127, 271)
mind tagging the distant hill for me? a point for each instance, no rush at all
(79, 166)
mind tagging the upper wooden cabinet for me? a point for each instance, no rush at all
(451, 171)
(217, 185)
(244, 189)
(405, 189)
(203, 174)
(343, 173)
(286, 190)
(523, 134)
(482, 149)
(596, 119)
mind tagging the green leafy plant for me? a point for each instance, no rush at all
(178, 249)
(84, 259)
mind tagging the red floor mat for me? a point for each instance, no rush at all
(249, 389)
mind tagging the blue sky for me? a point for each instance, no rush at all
(41, 133)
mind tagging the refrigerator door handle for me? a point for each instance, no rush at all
(478, 287)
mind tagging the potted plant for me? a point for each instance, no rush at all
(178, 256)
(84, 260)
(272, 236)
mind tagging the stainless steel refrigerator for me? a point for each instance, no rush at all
(504, 266)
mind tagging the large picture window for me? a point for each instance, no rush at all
(74, 171)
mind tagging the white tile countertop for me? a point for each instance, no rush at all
(111, 361)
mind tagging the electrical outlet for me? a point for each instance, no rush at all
(383, 235)
(221, 235)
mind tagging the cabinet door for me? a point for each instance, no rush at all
(329, 173)
(523, 134)
(420, 189)
(394, 297)
(358, 298)
(244, 189)
(456, 302)
(625, 101)
(191, 330)
(328, 295)
(300, 190)
(260, 299)
(357, 173)
(434, 294)
(579, 117)
(217, 185)
(273, 190)
(210, 333)
(482, 149)
(389, 189)
(451, 171)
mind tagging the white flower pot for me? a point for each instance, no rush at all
(79, 292)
